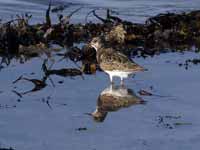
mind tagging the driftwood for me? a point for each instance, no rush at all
(38, 85)
(64, 72)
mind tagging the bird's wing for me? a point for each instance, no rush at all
(118, 61)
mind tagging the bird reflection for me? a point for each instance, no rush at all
(112, 99)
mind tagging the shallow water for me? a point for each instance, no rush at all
(33, 124)
(55, 117)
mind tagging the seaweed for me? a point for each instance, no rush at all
(163, 31)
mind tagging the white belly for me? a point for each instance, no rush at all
(120, 74)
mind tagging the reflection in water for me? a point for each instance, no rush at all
(114, 98)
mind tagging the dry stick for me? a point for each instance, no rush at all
(50, 79)
(20, 95)
(75, 11)
(44, 68)
(48, 19)
(86, 17)
(39, 84)
(17, 93)
(47, 102)
(67, 18)
(109, 17)
(90, 12)
(75, 63)
(41, 100)
(145, 93)
(17, 79)
(98, 17)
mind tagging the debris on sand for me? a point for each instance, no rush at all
(170, 122)
(81, 129)
(189, 62)
(38, 85)
(64, 72)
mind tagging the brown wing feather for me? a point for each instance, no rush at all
(112, 60)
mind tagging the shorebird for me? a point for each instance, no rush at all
(113, 62)
(112, 99)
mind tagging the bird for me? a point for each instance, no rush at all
(113, 98)
(113, 62)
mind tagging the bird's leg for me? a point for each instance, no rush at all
(111, 86)
(122, 82)
(111, 79)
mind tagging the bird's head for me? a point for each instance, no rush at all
(96, 43)
(98, 116)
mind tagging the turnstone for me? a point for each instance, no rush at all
(114, 98)
(113, 62)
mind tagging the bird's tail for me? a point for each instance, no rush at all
(139, 68)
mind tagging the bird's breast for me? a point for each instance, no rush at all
(118, 73)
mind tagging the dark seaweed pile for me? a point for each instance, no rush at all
(164, 32)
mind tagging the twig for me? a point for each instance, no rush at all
(90, 12)
(20, 78)
(75, 11)
(17, 93)
(48, 19)
(114, 18)
(98, 17)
